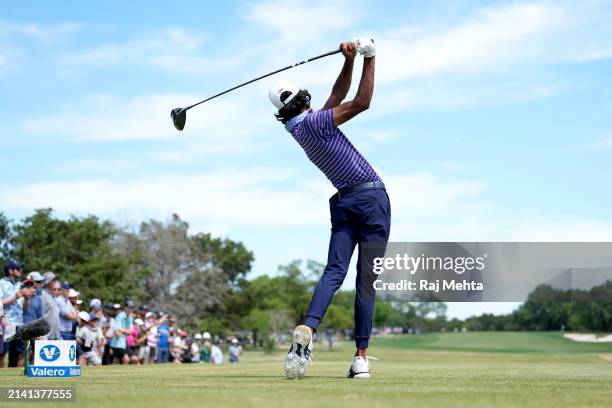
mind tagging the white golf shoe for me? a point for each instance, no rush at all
(360, 368)
(300, 353)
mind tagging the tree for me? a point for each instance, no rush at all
(6, 239)
(337, 318)
(78, 250)
(190, 275)
(230, 257)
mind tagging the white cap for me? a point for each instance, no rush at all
(138, 321)
(282, 93)
(95, 302)
(73, 293)
(84, 316)
(198, 336)
(206, 336)
(35, 276)
(234, 341)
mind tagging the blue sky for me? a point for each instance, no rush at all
(490, 120)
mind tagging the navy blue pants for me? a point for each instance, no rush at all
(360, 217)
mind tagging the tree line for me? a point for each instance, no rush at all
(204, 281)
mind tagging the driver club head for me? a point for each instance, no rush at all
(179, 116)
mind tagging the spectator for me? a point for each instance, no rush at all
(132, 341)
(109, 312)
(75, 302)
(29, 313)
(51, 289)
(216, 355)
(142, 349)
(73, 297)
(163, 342)
(90, 338)
(206, 348)
(235, 350)
(95, 306)
(121, 328)
(329, 333)
(68, 314)
(3, 324)
(12, 296)
(179, 347)
(28, 285)
(151, 328)
(195, 348)
(35, 308)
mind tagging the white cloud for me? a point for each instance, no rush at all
(232, 197)
(604, 144)
(297, 23)
(173, 49)
(497, 39)
(109, 118)
(492, 39)
(455, 94)
(239, 197)
(97, 166)
(424, 206)
(40, 32)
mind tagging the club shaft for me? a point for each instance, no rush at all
(266, 75)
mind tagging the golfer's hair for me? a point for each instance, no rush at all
(296, 106)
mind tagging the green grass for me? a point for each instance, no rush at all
(434, 370)
(513, 342)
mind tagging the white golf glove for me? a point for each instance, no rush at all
(365, 46)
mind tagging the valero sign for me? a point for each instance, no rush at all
(54, 358)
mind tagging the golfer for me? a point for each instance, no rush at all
(360, 210)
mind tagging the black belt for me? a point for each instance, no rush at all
(358, 187)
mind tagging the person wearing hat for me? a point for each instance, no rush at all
(121, 328)
(109, 314)
(195, 347)
(150, 349)
(235, 350)
(35, 308)
(133, 341)
(12, 296)
(32, 305)
(142, 348)
(163, 340)
(205, 350)
(90, 339)
(95, 306)
(68, 314)
(360, 209)
(73, 297)
(37, 278)
(51, 290)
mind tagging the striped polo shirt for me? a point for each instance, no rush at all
(330, 150)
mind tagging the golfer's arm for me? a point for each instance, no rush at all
(342, 85)
(361, 102)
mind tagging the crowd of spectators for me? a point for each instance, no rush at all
(111, 333)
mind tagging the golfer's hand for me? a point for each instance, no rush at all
(365, 46)
(348, 50)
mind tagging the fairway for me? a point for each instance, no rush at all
(513, 369)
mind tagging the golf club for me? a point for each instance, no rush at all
(179, 115)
